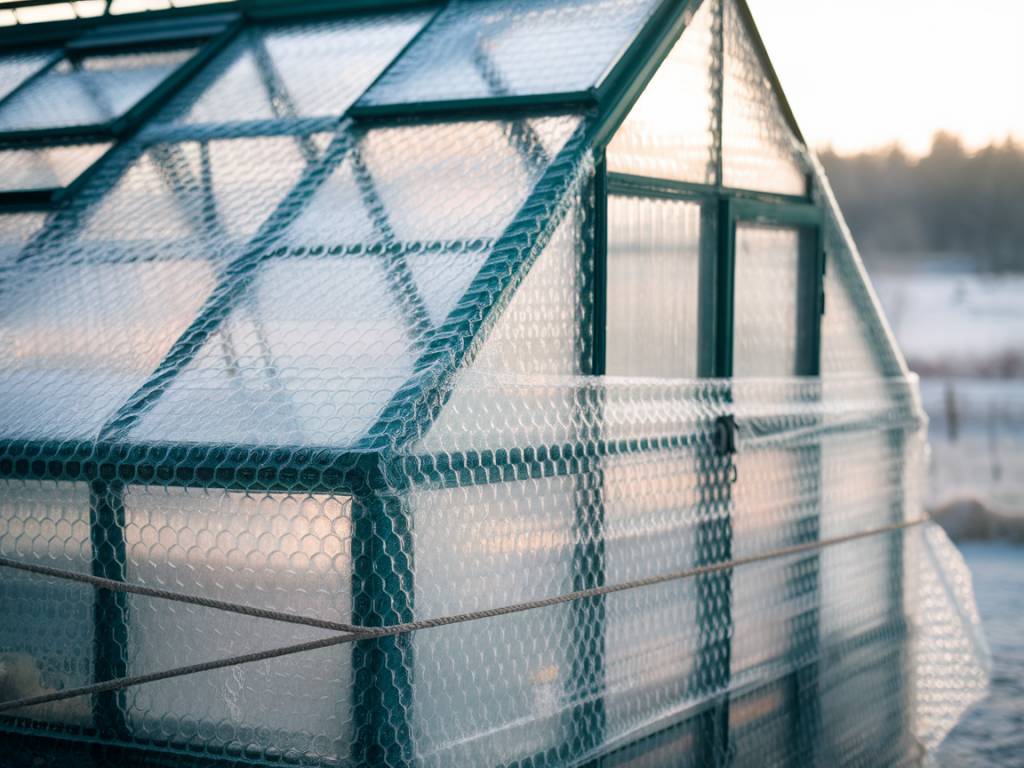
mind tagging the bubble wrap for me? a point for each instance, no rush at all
(268, 355)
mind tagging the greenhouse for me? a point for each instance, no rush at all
(470, 383)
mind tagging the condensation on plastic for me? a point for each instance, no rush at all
(653, 292)
(92, 90)
(266, 73)
(47, 167)
(670, 133)
(759, 149)
(16, 68)
(487, 48)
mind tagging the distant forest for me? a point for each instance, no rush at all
(955, 204)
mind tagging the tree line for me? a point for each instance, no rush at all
(950, 203)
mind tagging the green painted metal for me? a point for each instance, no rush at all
(126, 41)
(110, 610)
(382, 595)
(671, 189)
(488, 107)
(602, 188)
(54, 60)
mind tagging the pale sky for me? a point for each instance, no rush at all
(864, 73)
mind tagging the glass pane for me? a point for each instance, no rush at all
(16, 68)
(312, 69)
(43, 168)
(486, 48)
(759, 150)
(509, 703)
(652, 636)
(769, 339)
(310, 357)
(855, 339)
(542, 331)
(91, 90)
(653, 287)
(91, 314)
(76, 339)
(459, 180)
(205, 198)
(284, 552)
(669, 132)
(47, 632)
(431, 183)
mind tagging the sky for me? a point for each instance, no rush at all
(861, 74)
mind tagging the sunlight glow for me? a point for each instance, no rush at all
(861, 74)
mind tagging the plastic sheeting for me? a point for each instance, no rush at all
(339, 370)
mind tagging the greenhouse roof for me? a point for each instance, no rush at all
(230, 235)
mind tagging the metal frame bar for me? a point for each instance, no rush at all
(147, 103)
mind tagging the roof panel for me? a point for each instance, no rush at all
(46, 168)
(92, 305)
(310, 69)
(91, 90)
(16, 68)
(493, 48)
(333, 325)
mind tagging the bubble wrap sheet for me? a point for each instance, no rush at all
(339, 370)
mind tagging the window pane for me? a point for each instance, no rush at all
(311, 357)
(16, 68)
(486, 48)
(285, 552)
(669, 132)
(769, 337)
(653, 287)
(91, 90)
(508, 706)
(323, 341)
(48, 629)
(298, 70)
(42, 168)
(77, 339)
(759, 150)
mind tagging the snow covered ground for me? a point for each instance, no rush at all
(965, 335)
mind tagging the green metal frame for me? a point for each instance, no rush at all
(212, 34)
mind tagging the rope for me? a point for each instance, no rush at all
(179, 597)
(364, 633)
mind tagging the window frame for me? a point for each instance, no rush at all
(208, 32)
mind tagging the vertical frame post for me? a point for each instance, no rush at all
(588, 620)
(110, 610)
(382, 594)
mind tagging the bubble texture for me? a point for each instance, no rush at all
(269, 354)
(486, 48)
